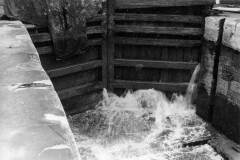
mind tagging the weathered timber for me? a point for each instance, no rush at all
(41, 37)
(79, 90)
(74, 68)
(96, 18)
(160, 3)
(159, 18)
(170, 87)
(158, 30)
(110, 41)
(158, 42)
(75, 79)
(95, 30)
(155, 64)
(94, 42)
(45, 50)
(104, 55)
(82, 103)
(30, 27)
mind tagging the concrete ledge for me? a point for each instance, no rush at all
(211, 32)
(33, 123)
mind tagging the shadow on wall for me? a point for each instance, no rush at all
(219, 84)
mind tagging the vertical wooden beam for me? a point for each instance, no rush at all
(110, 42)
(104, 49)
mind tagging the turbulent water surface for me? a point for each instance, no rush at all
(141, 125)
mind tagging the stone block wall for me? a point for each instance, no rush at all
(219, 83)
(208, 57)
(226, 115)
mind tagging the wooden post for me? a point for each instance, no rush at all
(104, 49)
(110, 42)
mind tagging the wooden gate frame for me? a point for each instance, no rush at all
(111, 62)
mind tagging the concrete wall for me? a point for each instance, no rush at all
(33, 124)
(219, 90)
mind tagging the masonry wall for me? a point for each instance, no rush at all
(219, 83)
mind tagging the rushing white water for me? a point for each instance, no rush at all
(142, 125)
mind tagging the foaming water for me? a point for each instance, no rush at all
(142, 125)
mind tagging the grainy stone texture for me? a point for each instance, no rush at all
(226, 110)
(33, 123)
(231, 34)
(227, 102)
(226, 116)
(208, 56)
(211, 32)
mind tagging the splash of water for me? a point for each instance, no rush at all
(191, 90)
(142, 125)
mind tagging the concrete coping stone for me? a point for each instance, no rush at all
(231, 32)
(33, 124)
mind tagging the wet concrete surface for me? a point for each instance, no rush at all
(33, 123)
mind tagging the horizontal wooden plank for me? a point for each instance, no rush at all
(84, 107)
(79, 90)
(30, 26)
(45, 37)
(160, 3)
(158, 30)
(45, 50)
(170, 87)
(96, 18)
(155, 64)
(94, 42)
(53, 73)
(79, 104)
(158, 42)
(49, 49)
(159, 17)
(95, 30)
(41, 37)
(34, 27)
